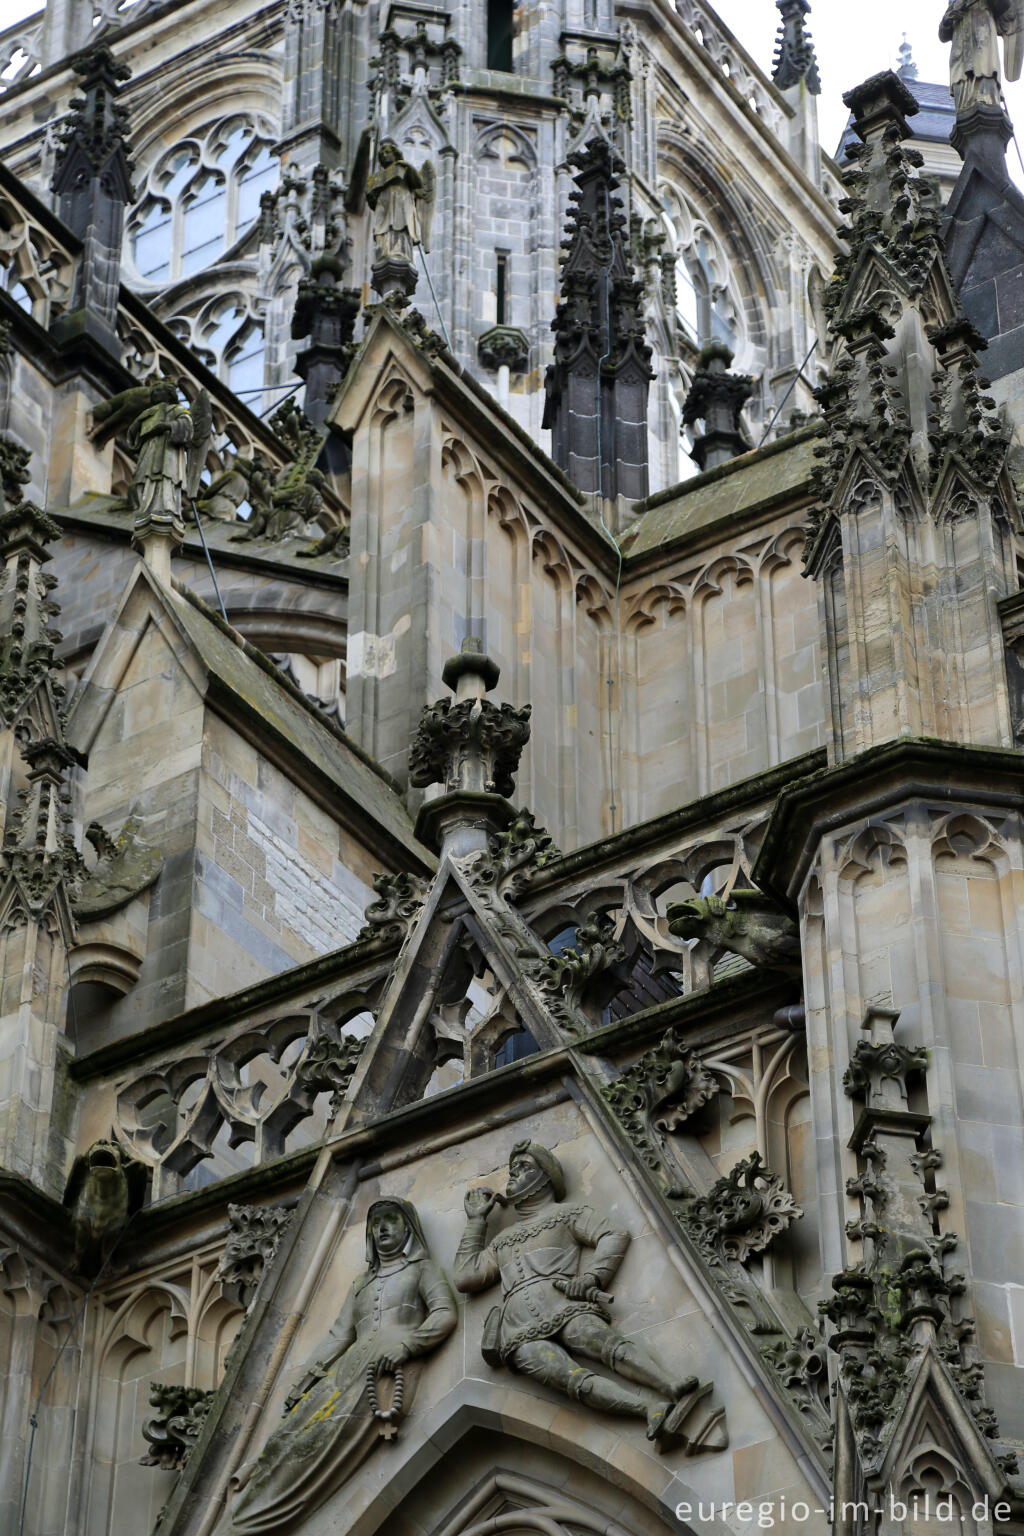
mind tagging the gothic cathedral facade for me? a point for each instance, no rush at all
(511, 703)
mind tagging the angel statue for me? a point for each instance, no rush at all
(170, 440)
(402, 199)
(399, 1309)
(974, 28)
(224, 495)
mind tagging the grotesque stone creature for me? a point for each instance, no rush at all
(105, 1189)
(746, 923)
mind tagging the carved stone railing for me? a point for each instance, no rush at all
(121, 13)
(35, 265)
(20, 49)
(633, 899)
(147, 349)
(256, 1086)
(737, 68)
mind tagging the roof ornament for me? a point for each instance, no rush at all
(717, 397)
(795, 59)
(472, 747)
(907, 69)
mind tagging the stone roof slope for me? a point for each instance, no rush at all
(252, 679)
(752, 483)
(254, 690)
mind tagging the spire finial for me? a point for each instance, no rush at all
(27, 639)
(95, 137)
(602, 367)
(717, 398)
(795, 59)
(907, 69)
(472, 747)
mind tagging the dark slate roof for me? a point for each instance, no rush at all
(932, 123)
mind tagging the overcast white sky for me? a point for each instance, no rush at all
(854, 39)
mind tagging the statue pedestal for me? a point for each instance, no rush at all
(393, 277)
(982, 132)
(157, 539)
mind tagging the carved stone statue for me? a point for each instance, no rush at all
(395, 192)
(974, 27)
(398, 1310)
(555, 1264)
(227, 491)
(126, 865)
(104, 1189)
(170, 440)
(746, 923)
(162, 434)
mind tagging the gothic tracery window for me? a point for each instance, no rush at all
(708, 306)
(200, 199)
(227, 334)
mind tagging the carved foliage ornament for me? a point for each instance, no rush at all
(255, 1236)
(450, 731)
(327, 1066)
(399, 902)
(566, 979)
(175, 1427)
(514, 855)
(658, 1094)
(874, 1063)
(741, 1213)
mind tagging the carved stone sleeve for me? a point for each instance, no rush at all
(442, 1314)
(343, 1333)
(476, 1266)
(609, 1243)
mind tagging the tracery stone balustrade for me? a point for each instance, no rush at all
(249, 1088)
(20, 46)
(760, 96)
(35, 268)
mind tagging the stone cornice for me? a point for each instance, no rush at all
(870, 783)
(647, 837)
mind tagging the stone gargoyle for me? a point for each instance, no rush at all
(745, 923)
(125, 867)
(104, 1190)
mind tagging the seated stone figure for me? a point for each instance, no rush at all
(399, 1309)
(554, 1265)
